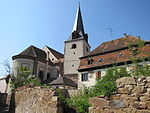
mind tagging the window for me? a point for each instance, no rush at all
(134, 51)
(100, 60)
(120, 55)
(87, 49)
(90, 61)
(84, 77)
(98, 74)
(48, 75)
(73, 46)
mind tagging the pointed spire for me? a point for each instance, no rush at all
(78, 25)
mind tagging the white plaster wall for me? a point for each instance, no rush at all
(72, 56)
(3, 86)
(92, 80)
(42, 67)
(54, 72)
(21, 61)
(51, 56)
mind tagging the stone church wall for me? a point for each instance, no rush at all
(30, 99)
(133, 96)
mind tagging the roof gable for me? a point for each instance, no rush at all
(57, 54)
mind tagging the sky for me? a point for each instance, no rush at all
(50, 22)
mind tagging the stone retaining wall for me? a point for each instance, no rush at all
(133, 96)
(35, 100)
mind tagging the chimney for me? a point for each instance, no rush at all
(125, 35)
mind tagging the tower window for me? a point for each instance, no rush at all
(73, 46)
(87, 49)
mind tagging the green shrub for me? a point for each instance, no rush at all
(23, 77)
(80, 101)
(141, 70)
(107, 84)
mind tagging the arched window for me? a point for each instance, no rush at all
(73, 46)
(48, 75)
(41, 76)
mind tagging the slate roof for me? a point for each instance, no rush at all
(78, 25)
(34, 52)
(63, 81)
(57, 54)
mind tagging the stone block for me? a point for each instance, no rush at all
(136, 104)
(141, 79)
(148, 89)
(138, 89)
(91, 110)
(144, 98)
(126, 81)
(129, 88)
(120, 110)
(130, 110)
(98, 102)
(141, 84)
(130, 100)
(143, 111)
(148, 79)
(148, 105)
(122, 91)
(143, 105)
(147, 85)
(118, 104)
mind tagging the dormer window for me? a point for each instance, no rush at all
(100, 60)
(73, 46)
(134, 51)
(120, 55)
(90, 61)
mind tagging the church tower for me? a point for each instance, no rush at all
(76, 46)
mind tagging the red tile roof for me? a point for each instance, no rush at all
(112, 52)
(113, 45)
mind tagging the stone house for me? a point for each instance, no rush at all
(106, 55)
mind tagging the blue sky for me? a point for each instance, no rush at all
(50, 22)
